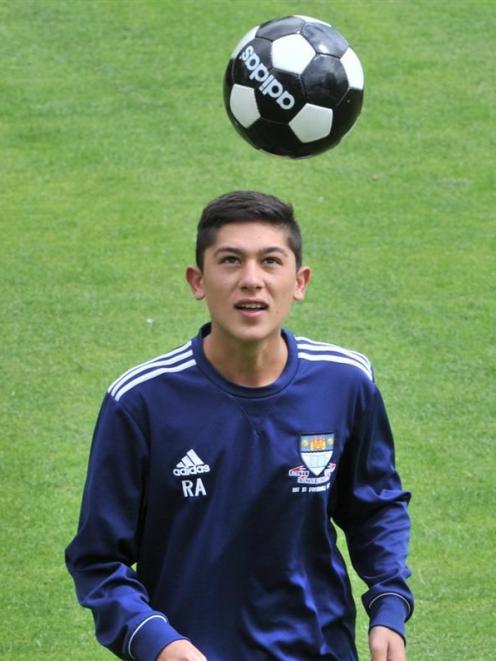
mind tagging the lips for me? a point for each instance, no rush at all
(251, 306)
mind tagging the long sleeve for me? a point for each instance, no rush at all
(106, 544)
(372, 510)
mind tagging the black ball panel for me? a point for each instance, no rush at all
(275, 138)
(229, 78)
(280, 27)
(242, 69)
(325, 39)
(325, 81)
(288, 103)
(347, 112)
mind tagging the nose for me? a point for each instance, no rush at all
(250, 276)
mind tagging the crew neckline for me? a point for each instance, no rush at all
(273, 388)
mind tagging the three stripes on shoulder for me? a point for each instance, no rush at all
(322, 351)
(181, 359)
(175, 361)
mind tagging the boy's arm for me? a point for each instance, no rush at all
(372, 510)
(106, 544)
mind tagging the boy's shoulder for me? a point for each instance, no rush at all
(316, 352)
(173, 362)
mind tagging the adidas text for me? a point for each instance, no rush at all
(191, 470)
(269, 84)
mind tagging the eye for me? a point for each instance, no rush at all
(271, 260)
(229, 259)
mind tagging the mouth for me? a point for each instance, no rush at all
(251, 306)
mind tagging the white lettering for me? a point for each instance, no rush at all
(286, 100)
(275, 89)
(266, 83)
(191, 470)
(260, 73)
(187, 486)
(200, 488)
(252, 62)
(270, 85)
(246, 53)
(189, 492)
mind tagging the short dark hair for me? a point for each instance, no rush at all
(245, 206)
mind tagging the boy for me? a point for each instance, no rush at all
(218, 467)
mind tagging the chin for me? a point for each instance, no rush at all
(255, 334)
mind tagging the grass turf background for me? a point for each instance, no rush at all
(113, 137)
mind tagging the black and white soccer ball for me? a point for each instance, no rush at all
(293, 87)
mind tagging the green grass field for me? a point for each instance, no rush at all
(113, 137)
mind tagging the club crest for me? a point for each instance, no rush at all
(316, 451)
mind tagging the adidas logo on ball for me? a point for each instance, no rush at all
(270, 85)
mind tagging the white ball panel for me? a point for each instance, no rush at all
(247, 38)
(243, 105)
(292, 53)
(353, 68)
(309, 19)
(312, 123)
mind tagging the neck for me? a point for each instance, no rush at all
(252, 364)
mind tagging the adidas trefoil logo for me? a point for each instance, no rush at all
(190, 464)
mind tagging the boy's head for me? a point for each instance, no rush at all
(246, 206)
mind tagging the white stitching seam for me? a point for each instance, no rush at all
(390, 594)
(160, 617)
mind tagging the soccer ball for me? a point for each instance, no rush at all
(293, 87)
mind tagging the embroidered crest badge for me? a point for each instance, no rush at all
(316, 451)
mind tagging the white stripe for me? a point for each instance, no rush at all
(187, 461)
(148, 362)
(160, 617)
(152, 375)
(390, 594)
(305, 343)
(336, 359)
(195, 458)
(141, 368)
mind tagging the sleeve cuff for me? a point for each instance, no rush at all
(150, 637)
(390, 611)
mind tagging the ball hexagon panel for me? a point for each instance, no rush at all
(353, 68)
(317, 147)
(280, 27)
(292, 53)
(324, 39)
(312, 123)
(325, 81)
(243, 105)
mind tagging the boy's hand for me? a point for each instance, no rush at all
(386, 645)
(181, 650)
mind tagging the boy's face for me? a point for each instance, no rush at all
(249, 281)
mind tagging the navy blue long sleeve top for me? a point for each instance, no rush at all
(209, 509)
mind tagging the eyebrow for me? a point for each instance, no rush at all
(240, 251)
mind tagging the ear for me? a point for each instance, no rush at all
(303, 277)
(194, 278)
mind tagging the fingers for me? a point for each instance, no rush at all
(386, 645)
(181, 650)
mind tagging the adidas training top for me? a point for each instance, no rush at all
(224, 498)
